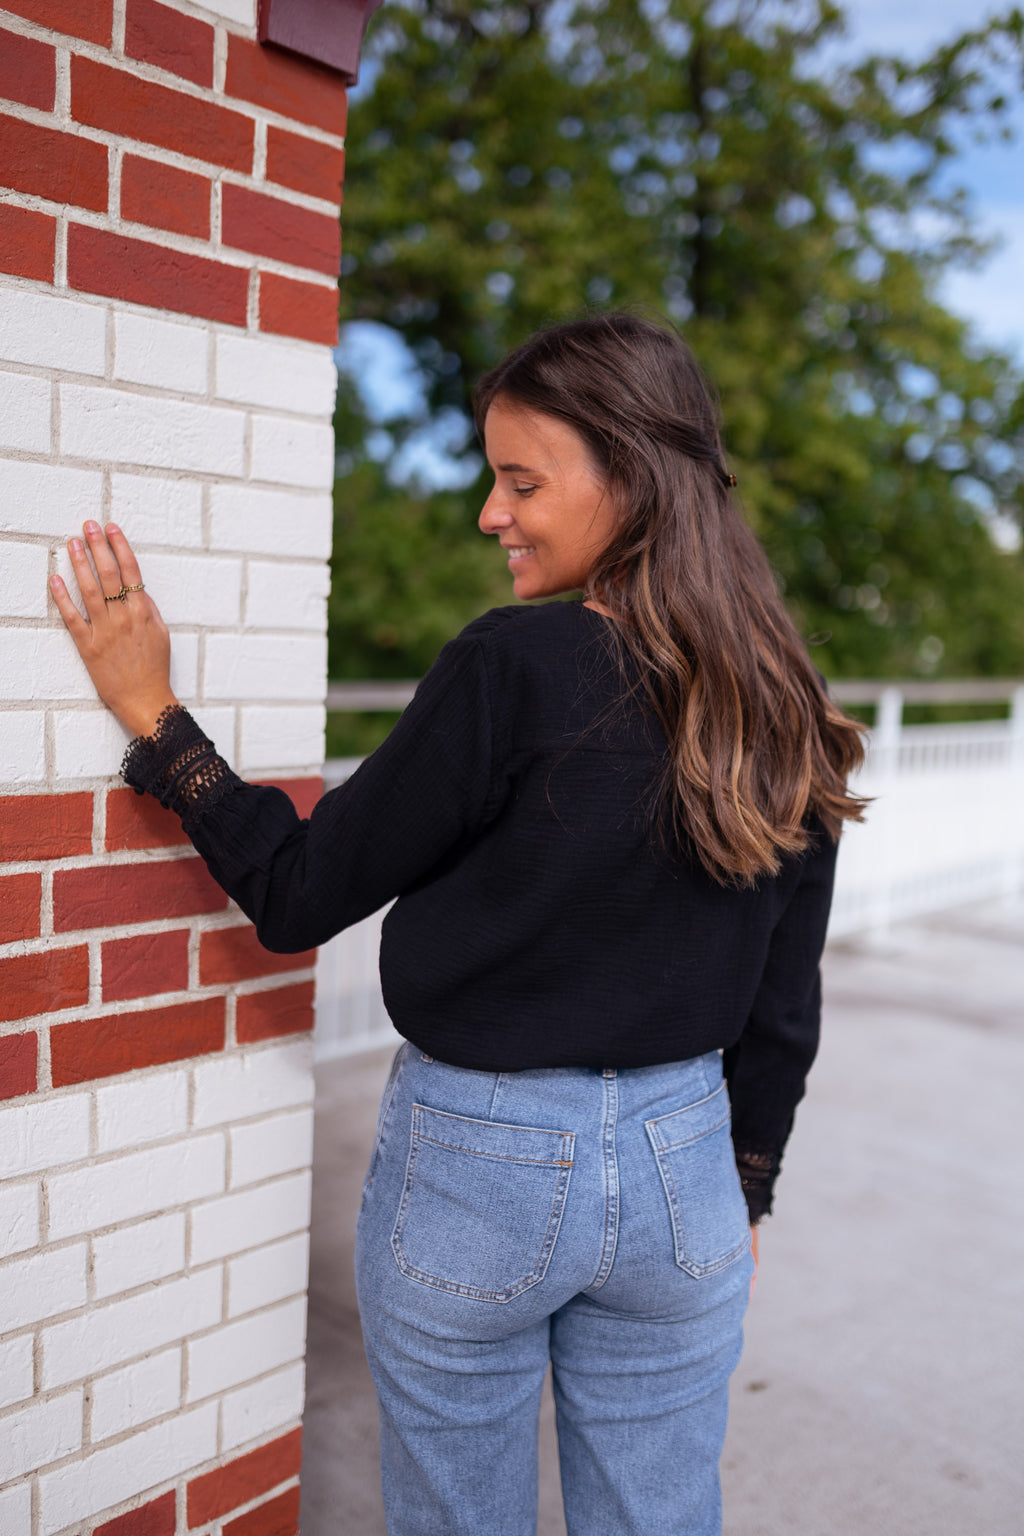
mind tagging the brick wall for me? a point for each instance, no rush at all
(169, 198)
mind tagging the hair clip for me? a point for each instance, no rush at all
(731, 480)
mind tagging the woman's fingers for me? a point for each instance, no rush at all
(77, 627)
(104, 559)
(130, 573)
(92, 593)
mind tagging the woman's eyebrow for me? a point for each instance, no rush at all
(517, 469)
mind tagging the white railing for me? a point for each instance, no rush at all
(946, 826)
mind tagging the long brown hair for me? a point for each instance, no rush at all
(756, 748)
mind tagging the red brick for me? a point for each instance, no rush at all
(31, 984)
(144, 965)
(292, 308)
(271, 227)
(133, 893)
(28, 71)
(307, 165)
(281, 1011)
(183, 45)
(19, 907)
(234, 954)
(123, 1042)
(44, 826)
(154, 1519)
(303, 793)
(135, 270)
(139, 821)
(18, 1057)
(63, 167)
(121, 103)
(294, 87)
(91, 19)
(278, 1517)
(27, 242)
(216, 1493)
(164, 197)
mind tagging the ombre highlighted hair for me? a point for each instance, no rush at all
(757, 751)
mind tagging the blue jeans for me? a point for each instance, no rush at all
(590, 1219)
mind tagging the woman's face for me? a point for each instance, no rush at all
(549, 507)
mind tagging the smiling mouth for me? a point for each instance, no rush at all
(517, 551)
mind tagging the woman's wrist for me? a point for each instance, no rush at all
(140, 716)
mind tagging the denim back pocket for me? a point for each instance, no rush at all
(481, 1205)
(693, 1147)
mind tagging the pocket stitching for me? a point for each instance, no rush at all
(554, 1219)
(690, 1266)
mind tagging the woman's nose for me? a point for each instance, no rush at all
(493, 517)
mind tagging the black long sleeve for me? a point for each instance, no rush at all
(537, 922)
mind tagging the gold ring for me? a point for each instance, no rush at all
(140, 586)
(116, 598)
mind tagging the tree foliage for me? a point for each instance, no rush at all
(517, 163)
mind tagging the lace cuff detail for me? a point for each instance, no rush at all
(180, 766)
(758, 1172)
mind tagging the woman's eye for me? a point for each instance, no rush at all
(524, 490)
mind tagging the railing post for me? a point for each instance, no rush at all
(885, 738)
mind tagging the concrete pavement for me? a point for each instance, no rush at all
(880, 1393)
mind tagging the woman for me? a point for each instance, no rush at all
(611, 829)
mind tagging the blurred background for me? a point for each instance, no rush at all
(828, 200)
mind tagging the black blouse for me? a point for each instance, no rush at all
(538, 922)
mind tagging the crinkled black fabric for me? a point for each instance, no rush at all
(537, 921)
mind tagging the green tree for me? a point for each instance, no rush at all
(517, 163)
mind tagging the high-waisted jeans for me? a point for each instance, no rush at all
(590, 1219)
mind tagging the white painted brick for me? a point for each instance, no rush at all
(89, 743)
(163, 353)
(137, 1254)
(22, 581)
(282, 736)
(16, 1510)
(242, 11)
(23, 747)
(252, 1083)
(282, 596)
(41, 1286)
(125, 428)
(142, 1391)
(270, 1274)
(44, 1135)
(50, 332)
(118, 1472)
(24, 412)
(255, 1410)
(219, 725)
(144, 1109)
(251, 1218)
(158, 511)
(257, 371)
(266, 667)
(246, 1349)
(47, 498)
(135, 1185)
(290, 452)
(15, 1370)
(194, 589)
(39, 1434)
(19, 1218)
(107, 1335)
(270, 1147)
(184, 665)
(264, 522)
(41, 664)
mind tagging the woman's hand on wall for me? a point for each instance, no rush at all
(122, 639)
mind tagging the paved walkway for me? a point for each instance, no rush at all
(882, 1388)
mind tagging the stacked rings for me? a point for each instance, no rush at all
(119, 597)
